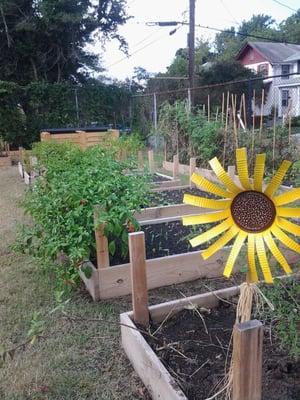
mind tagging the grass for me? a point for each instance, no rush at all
(75, 359)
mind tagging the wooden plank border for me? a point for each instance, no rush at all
(147, 365)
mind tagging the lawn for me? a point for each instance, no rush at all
(79, 355)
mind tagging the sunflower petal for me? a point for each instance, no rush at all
(234, 253)
(276, 252)
(206, 203)
(251, 258)
(285, 239)
(290, 212)
(221, 242)
(242, 168)
(211, 233)
(223, 176)
(261, 252)
(288, 226)
(277, 178)
(288, 197)
(209, 186)
(205, 218)
(259, 170)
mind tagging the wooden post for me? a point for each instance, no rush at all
(175, 166)
(101, 240)
(233, 102)
(247, 360)
(245, 111)
(226, 128)
(151, 161)
(208, 108)
(140, 159)
(45, 136)
(223, 107)
(192, 169)
(137, 255)
(82, 139)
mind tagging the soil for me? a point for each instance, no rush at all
(167, 197)
(162, 240)
(197, 360)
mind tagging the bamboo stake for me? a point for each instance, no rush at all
(226, 128)
(261, 112)
(274, 138)
(137, 254)
(217, 113)
(245, 111)
(175, 166)
(223, 106)
(247, 360)
(192, 169)
(208, 108)
(233, 101)
(253, 127)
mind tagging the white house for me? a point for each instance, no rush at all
(271, 59)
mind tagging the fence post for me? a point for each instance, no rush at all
(151, 161)
(192, 169)
(175, 166)
(82, 139)
(155, 112)
(247, 360)
(101, 240)
(137, 255)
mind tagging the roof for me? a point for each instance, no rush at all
(274, 52)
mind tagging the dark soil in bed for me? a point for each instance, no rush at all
(163, 240)
(197, 359)
(167, 197)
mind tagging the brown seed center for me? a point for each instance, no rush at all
(253, 211)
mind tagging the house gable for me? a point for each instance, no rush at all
(248, 55)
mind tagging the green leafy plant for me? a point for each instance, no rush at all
(61, 204)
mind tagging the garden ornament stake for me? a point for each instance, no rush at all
(249, 212)
(246, 212)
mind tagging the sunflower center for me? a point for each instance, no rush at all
(253, 211)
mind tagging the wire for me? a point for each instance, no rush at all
(284, 5)
(229, 12)
(136, 51)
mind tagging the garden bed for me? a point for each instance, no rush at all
(181, 361)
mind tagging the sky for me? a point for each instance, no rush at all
(153, 48)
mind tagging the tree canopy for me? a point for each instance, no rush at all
(45, 40)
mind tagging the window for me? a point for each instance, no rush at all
(285, 98)
(263, 69)
(285, 70)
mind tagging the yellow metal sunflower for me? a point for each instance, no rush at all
(249, 212)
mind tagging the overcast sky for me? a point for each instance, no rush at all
(160, 47)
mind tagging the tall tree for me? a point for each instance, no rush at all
(46, 39)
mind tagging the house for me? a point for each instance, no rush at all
(272, 59)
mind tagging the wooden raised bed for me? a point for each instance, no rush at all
(83, 138)
(114, 281)
(156, 378)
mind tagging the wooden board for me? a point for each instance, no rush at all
(150, 369)
(166, 184)
(116, 281)
(176, 210)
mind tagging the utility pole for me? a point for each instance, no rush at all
(191, 46)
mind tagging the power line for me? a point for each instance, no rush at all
(136, 51)
(244, 34)
(229, 12)
(284, 5)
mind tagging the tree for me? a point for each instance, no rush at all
(290, 28)
(46, 39)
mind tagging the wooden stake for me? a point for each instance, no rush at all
(233, 101)
(290, 128)
(245, 111)
(217, 113)
(175, 166)
(231, 171)
(137, 254)
(274, 137)
(192, 169)
(253, 127)
(223, 106)
(140, 160)
(165, 150)
(226, 128)
(101, 240)
(151, 161)
(247, 360)
(261, 112)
